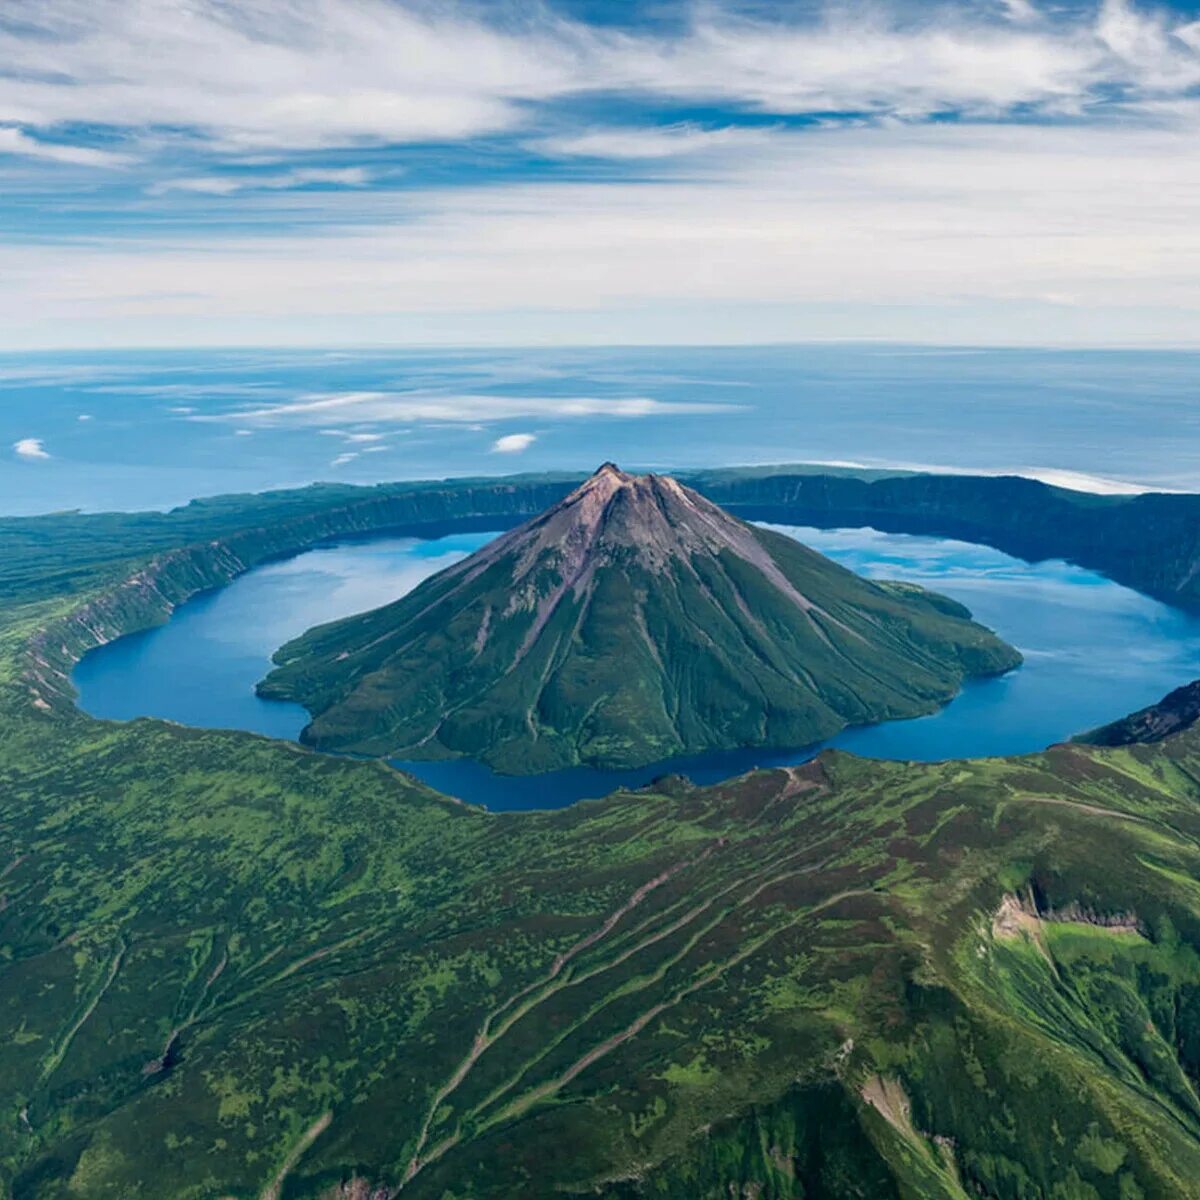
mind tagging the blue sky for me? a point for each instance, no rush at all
(191, 172)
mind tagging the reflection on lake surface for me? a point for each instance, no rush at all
(1093, 651)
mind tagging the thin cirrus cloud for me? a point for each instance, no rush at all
(230, 185)
(14, 141)
(669, 141)
(353, 437)
(292, 74)
(457, 409)
(30, 448)
(955, 215)
(1021, 11)
(273, 74)
(972, 171)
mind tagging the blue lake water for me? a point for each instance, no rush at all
(121, 430)
(1093, 652)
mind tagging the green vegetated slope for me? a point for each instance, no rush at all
(630, 622)
(235, 968)
(228, 962)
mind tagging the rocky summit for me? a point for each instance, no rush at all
(631, 621)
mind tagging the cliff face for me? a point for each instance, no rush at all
(140, 594)
(1149, 542)
(632, 621)
(58, 554)
(133, 568)
(145, 597)
(1174, 713)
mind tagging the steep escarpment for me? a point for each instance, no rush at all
(1149, 542)
(145, 596)
(1172, 714)
(61, 553)
(123, 595)
(632, 621)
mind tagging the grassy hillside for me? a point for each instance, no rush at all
(236, 968)
(227, 961)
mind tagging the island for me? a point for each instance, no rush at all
(631, 621)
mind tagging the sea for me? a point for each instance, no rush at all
(104, 430)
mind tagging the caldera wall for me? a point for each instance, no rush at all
(154, 562)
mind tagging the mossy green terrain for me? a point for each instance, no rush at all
(231, 967)
(631, 622)
(224, 957)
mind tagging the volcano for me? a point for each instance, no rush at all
(632, 621)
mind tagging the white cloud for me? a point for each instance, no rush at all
(453, 409)
(84, 417)
(346, 436)
(1189, 35)
(343, 459)
(291, 74)
(31, 448)
(14, 141)
(513, 443)
(1145, 43)
(975, 230)
(1021, 11)
(274, 74)
(229, 185)
(860, 61)
(1078, 481)
(996, 224)
(666, 141)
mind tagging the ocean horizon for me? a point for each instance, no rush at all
(124, 430)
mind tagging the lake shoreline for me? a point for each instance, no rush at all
(1039, 607)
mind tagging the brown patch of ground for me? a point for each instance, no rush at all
(889, 1099)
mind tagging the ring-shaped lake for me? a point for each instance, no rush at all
(1094, 651)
